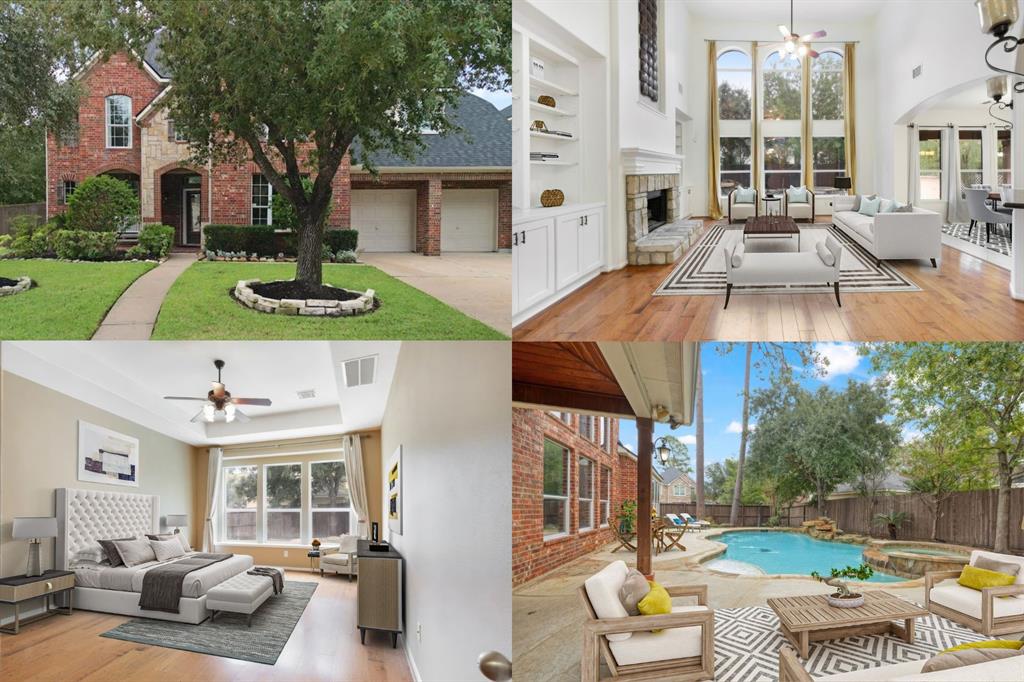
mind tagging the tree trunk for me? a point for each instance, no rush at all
(737, 492)
(700, 440)
(309, 268)
(819, 497)
(935, 520)
(1002, 540)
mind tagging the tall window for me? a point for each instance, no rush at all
(930, 152)
(283, 490)
(588, 427)
(586, 495)
(329, 500)
(783, 81)
(240, 492)
(1004, 157)
(735, 84)
(563, 417)
(606, 434)
(828, 150)
(606, 494)
(782, 162)
(556, 489)
(119, 122)
(649, 49)
(262, 194)
(971, 157)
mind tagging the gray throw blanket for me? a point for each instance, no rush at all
(272, 573)
(161, 586)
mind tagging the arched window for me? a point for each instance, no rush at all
(782, 79)
(119, 122)
(827, 109)
(735, 86)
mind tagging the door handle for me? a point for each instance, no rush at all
(586, 220)
(515, 239)
(524, 237)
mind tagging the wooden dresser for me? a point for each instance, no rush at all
(381, 584)
(19, 588)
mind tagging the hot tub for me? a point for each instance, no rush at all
(914, 559)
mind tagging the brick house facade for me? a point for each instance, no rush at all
(539, 546)
(171, 191)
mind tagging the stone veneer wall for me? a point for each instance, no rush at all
(637, 187)
(158, 151)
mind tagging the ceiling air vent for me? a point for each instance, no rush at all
(917, 71)
(360, 372)
(306, 395)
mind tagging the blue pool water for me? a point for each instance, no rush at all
(781, 552)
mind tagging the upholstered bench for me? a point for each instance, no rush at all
(807, 267)
(243, 593)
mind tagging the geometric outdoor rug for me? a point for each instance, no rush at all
(1000, 241)
(702, 271)
(747, 642)
(228, 636)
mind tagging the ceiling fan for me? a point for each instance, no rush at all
(795, 44)
(220, 402)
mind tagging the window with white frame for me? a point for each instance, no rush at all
(930, 157)
(679, 490)
(563, 417)
(283, 503)
(735, 86)
(329, 499)
(556, 489)
(971, 157)
(588, 427)
(828, 144)
(606, 494)
(606, 434)
(64, 190)
(240, 503)
(119, 121)
(586, 494)
(262, 204)
(1004, 158)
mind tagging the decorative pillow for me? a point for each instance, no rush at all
(957, 659)
(824, 254)
(184, 542)
(134, 552)
(1015, 644)
(737, 254)
(92, 554)
(980, 578)
(886, 206)
(180, 537)
(656, 602)
(904, 208)
(167, 549)
(856, 203)
(869, 207)
(745, 195)
(990, 564)
(633, 590)
(111, 551)
(797, 195)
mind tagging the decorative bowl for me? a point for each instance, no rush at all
(847, 603)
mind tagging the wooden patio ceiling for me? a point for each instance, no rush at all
(566, 376)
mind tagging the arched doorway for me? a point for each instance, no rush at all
(181, 204)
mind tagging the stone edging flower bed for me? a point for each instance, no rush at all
(363, 303)
(24, 284)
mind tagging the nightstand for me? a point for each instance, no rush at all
(19, 588)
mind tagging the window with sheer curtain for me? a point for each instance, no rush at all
(971, 157)
(782, 87)
(828, 145)
(930, 155)
(735, 88)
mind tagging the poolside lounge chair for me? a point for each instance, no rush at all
(1004, 670)
(683, 650)
(991, 611)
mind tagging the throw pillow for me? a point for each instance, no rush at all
(824, 254)
(990, 564)
(904, 208)
(737, 254)
(111, 551)
(180, 537)
(869, 207)
(886, 206)
(92, 554)
(633, 590)
(184, 542)
(656, 602)
(856, 203)
(797, 195)
(1015, 644)
(980, 578)
(958, 659)
(134, 552)
(167, 549)
(745, 195)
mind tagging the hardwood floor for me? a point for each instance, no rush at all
(324, 646)
(965, 299)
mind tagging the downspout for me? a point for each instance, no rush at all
(46, 172)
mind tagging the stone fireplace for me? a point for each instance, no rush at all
(651, 202)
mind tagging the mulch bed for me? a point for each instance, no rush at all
(4, 282)
(300, 290)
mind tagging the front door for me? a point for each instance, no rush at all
(192, 216)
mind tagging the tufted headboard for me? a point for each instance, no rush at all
(85, 516)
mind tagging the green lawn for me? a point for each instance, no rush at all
(198, 307)
(68, 300)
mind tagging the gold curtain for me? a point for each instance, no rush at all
(849, 114)
(807, 124)
(714, 151)
(755, 122)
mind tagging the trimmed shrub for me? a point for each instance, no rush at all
(156, 240)
(32, 239)
(258, 239)
(341, 240)
(346, 257)
(137, 252)
(102, 204)
(85, 244)
(326, 254)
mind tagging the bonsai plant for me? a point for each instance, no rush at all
(627, 516)
(843, 598)
(892, 520)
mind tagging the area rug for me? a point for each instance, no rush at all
(228, 636)
(702, 270)
(747, 642)
(999, 239)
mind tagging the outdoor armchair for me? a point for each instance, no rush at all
(990, 611)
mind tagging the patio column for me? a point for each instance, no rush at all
(644, 450)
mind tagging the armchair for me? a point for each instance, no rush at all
(799, 210)
(684, 649)
(740, 212)
(343, 560)
(991, 611)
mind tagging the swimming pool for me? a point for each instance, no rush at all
(779, 552)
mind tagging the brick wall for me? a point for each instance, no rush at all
(532, 556)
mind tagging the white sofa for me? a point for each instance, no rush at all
(738, 213)
(1003, 670)
(891, 235)
(991, 611)
(805, 267)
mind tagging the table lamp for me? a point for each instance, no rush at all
(33, 528)
(844, 183)
(177, 520)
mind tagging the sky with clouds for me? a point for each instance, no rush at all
(723, 394)
(500, 98)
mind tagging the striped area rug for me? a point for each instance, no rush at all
(702, 270)
(747, 642)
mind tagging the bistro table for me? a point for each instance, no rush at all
(768, 200)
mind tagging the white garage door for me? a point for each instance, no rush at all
(385, 218)
(468, 219)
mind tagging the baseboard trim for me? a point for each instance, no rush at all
(411, 661)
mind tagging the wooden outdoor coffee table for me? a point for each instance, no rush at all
(771, 226)
(810, 619)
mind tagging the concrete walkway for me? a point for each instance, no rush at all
(478, 284)
(133, 315)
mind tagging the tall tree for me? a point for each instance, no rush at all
(734, 513)
(699, 475)
(716, 483)
(874, 439)
(975, 390)
(678, 455)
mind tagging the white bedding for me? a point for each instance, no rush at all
(129, 579)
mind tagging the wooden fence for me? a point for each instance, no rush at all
(10, 211)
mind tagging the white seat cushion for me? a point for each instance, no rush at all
(781, 268)
(1002, 670)
(955, 596)
(334, 559)
(647, 647)
(603, 593)
(243, 588)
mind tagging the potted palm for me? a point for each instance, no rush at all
(843, 597)
(892, 521)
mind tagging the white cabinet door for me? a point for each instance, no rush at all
(590, 242)
(567, 249)
(533, 262)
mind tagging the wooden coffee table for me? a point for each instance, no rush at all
(771, 226)
(810, 619)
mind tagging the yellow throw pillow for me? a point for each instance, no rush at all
(656, 602)
(990, 644)
(979, 578)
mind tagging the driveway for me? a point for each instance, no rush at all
(478, 284)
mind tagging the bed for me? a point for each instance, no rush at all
(86, 516)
